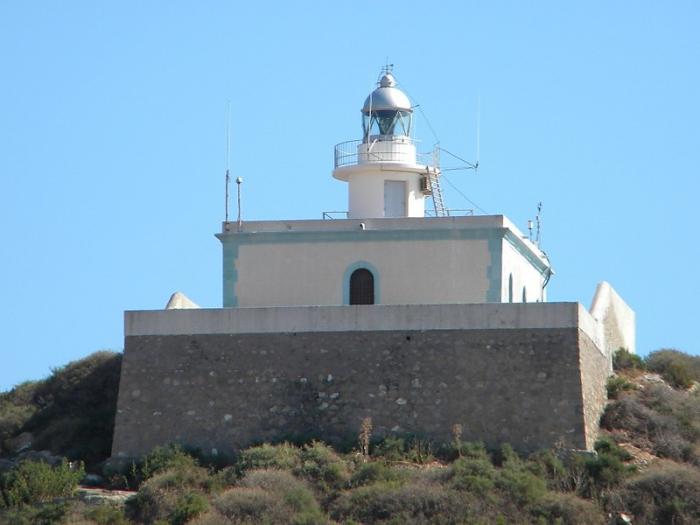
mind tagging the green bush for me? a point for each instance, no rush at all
(16, 408)
(617, 385)
(74, 409)
(607, 445)
(165, 458)
(160, 496)
(33, 482)
(551, 468)
(270, 496)
(44, 514)
(666, 493)
(623, 359)
(659, 418)
(212, 517)
(520, 480)
(520, 484)
(390, 448)
(374, 471)
(678, 368)
(473, 474)
(413, 449)
(106, 515)
(282, 456)
(415, 503)
(323, 467)
(242, 505)
(607, 469)
(568, 509)
(187, 507)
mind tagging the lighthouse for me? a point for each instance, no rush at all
(386, 313)
(386, 250)
(385, 176)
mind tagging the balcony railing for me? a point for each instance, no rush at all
(451, 212)
(397, 150)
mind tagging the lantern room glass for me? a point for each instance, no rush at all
(386, 123)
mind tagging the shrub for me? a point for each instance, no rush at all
(271, 480)
(520, 484)
(241, 505)
(623, 359)
(164, 458)
(607, 445)
(16, 408)
(568, 509)
(162, 494)
(412, 448)
(391, 448)
(550, 467)
(415, 503)
(211, 517)
(106, 515)
(667, 493)
(473, 474)
(270, 496)
(188, 506)
(323, 467)
(679, 369)
(76, 408)
(617, 385)
(375, 471)
(37, 482)
(607, 469)
(520, 481)
(659, 418)
(45, 514)
(283, 456)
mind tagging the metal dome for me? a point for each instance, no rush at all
(387, 97)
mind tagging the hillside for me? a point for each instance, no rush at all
(646, 469)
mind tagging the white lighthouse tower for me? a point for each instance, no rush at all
(384, 174)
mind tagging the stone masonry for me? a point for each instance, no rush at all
(531, 387)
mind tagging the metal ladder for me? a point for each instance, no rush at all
(436, 190)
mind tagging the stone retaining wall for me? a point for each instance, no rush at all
(531, 387)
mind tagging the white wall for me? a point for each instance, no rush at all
(366, 193)
(616, 317)
(409, 271)
(525, 275)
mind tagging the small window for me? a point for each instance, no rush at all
(524, 294)
(510, 288)
(362, 287)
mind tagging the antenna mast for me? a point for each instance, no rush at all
(478, 130)
(538, 223)
(228, 148)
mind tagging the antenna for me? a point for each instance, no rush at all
(239, 180)
(478, 130)
(388, 68)
(538, 223)
(228, 148)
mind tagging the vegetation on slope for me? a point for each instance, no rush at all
(646, 466)
(70, 414)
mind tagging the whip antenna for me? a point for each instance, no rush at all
(228, 149)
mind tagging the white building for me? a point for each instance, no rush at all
(387, 251)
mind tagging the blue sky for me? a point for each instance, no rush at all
(112, 144)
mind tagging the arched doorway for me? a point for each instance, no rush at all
(361, 287)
